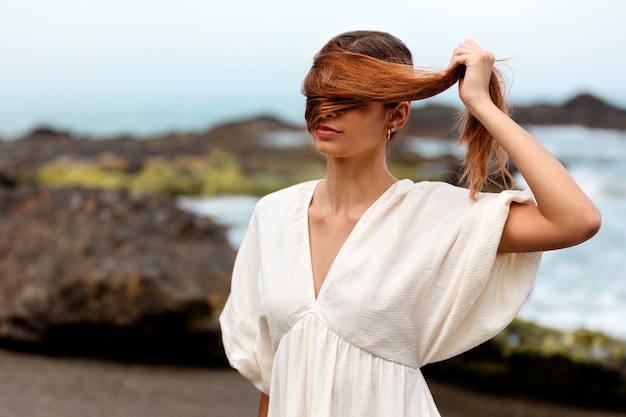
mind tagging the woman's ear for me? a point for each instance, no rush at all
(399, 115)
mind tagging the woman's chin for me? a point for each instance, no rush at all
(330, 150)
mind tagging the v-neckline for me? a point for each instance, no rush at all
(346, 242)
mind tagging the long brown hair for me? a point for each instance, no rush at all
(363, 66)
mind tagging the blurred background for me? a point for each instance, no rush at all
(136, 137)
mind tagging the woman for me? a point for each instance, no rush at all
(344, 287)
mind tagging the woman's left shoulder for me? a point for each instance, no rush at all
(431, 191)
(452, 197)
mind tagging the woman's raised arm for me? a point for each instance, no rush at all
(564, 215)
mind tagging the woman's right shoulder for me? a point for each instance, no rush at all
(289, 197)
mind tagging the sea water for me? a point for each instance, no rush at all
(579, 287)
(585, 286)
(103, 115)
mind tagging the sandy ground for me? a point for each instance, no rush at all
(38, 386)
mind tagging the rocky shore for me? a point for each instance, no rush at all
(97, 261)
(110, 274)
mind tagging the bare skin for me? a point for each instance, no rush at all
(263, 404)
(354, 143)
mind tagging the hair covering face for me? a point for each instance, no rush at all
(341, 79)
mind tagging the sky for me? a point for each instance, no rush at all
(260, 50)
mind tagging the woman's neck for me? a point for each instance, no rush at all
(351, 186)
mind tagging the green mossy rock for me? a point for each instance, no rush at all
(582, 367)
(219, 172)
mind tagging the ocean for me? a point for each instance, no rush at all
(103, 115)
(579, 287)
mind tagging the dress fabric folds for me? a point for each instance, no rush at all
(418, 280)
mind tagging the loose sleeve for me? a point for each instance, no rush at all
(488, 288)
(245, 340)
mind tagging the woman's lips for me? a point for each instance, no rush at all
(326, 131)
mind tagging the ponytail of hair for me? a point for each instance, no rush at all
(484, 160)
(340, 80)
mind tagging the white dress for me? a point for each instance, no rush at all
(418, 280)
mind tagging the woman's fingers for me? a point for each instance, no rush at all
(469, 51)
(478, 68)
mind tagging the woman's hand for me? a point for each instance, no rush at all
(474, 86)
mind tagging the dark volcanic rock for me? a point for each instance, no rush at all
(432, 120)
(583, 110)
(579, 367)
(110, 274)
(19, 159)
